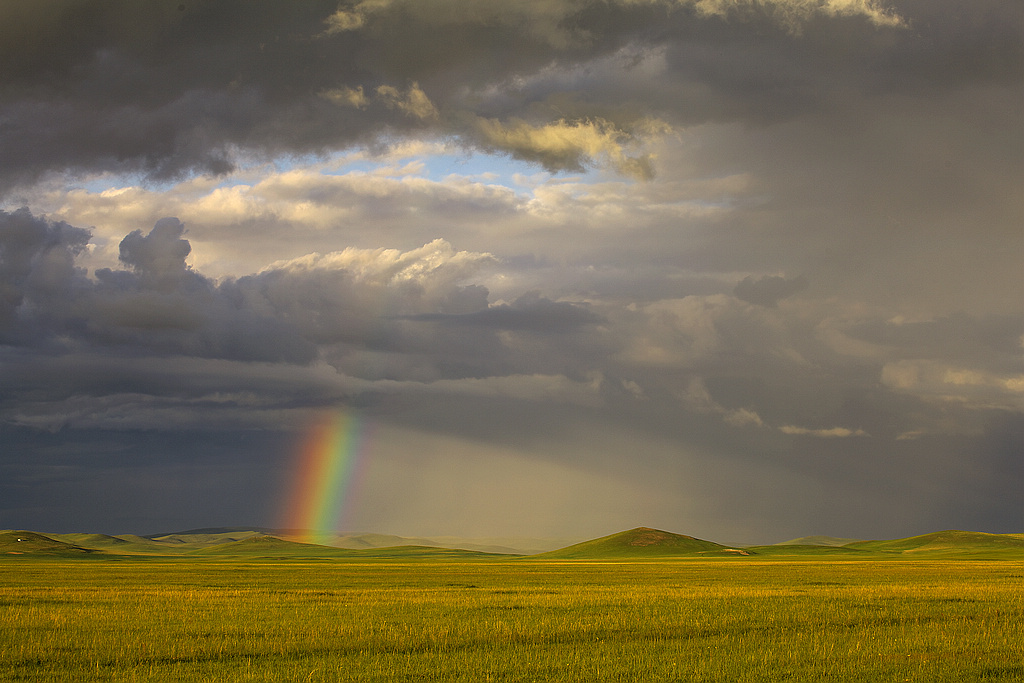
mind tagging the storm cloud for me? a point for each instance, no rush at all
(745, 270)
(167, 89)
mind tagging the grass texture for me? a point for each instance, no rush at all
(727, 619)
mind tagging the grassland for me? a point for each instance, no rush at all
(228, 618)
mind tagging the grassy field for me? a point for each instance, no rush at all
(728, 619)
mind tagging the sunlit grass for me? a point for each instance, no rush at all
(685, 620)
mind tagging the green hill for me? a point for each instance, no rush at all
(641, 542)
(31, 543)
(952, 542)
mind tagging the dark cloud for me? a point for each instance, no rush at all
(92, 86)
(159, 257)
(37, 270)
(142, 482)
(161, 306)
(161, 350)
(339, 307)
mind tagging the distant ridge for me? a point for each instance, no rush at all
(209, 531)
(639, 543)
(832, 541)
(271, 546)
(350, 540)
(211, 538)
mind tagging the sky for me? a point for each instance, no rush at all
(740, 269)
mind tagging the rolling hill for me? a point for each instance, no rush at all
(808, 551)
(353, 540)
(31, 543)
(271, 546)
(369, 541)
(950, 542)
(211, 537)
(831, 541)
(118, 545)
(642, 542)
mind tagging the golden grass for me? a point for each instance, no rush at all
(512, 620)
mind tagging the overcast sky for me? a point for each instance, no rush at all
(740, 269)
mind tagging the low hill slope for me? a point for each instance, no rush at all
(410, 552)
(782, 550)
(194, 538)
(103, 542)
(832, 541)
(271, 546)
(351, 541)
(198, 539)
(31, 543)
(640, 543)
(950, 542)
(126, 544)
(221, 530)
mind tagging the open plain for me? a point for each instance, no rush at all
(799, 614)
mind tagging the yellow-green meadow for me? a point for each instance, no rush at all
(723, 619)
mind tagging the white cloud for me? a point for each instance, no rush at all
(352, 97)
(574, 145)
(414, 102)
(696, 397)
(833, 433)
(934, 379)
(793, 13)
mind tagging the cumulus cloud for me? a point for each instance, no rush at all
(158, 257)
(793, 13)
(279, 314)
(37, 267)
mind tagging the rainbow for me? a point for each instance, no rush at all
(326, 470)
